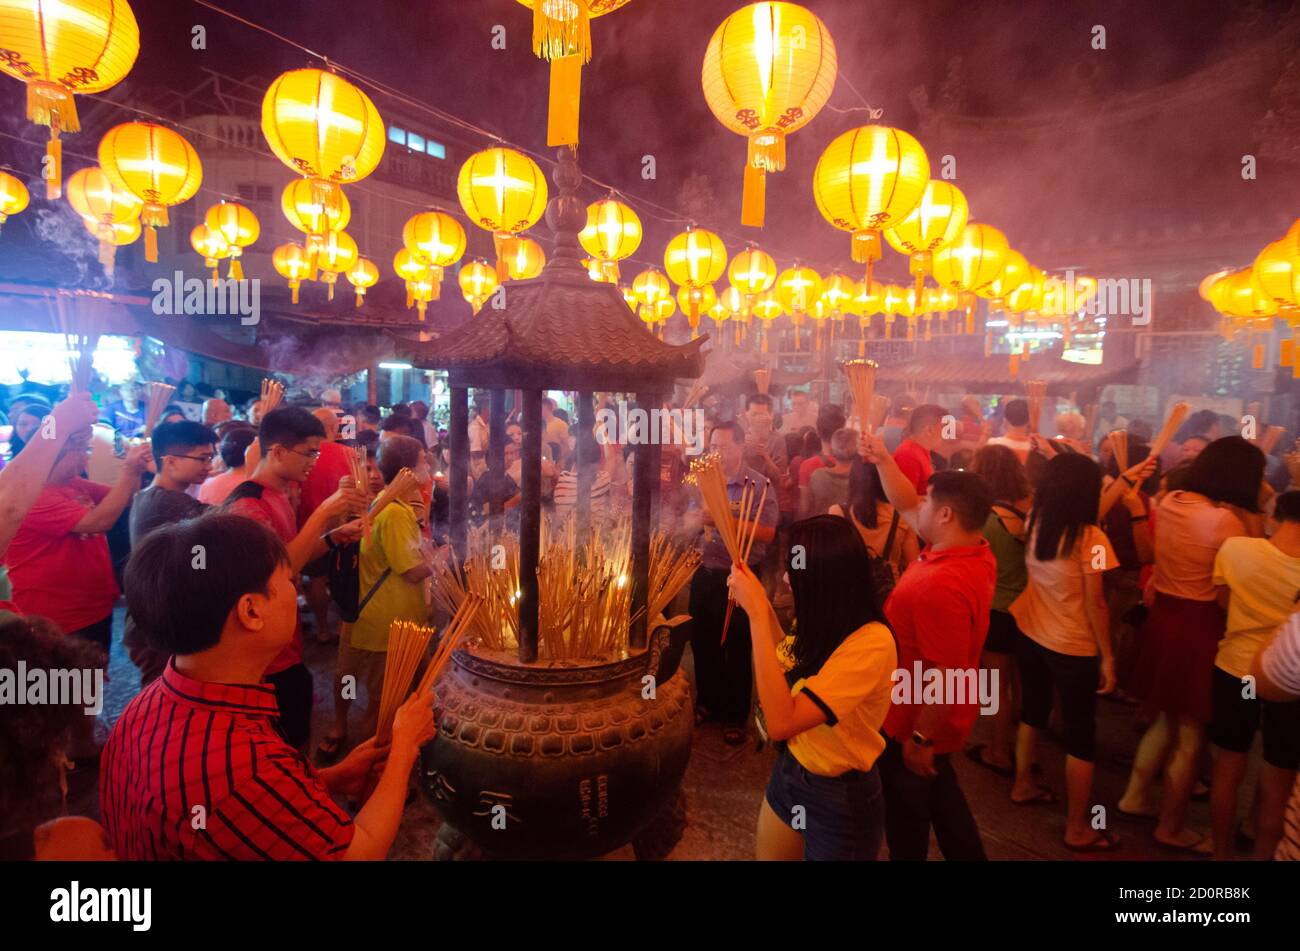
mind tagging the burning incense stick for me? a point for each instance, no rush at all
(1176, 416)
(81, 346)
(451, 637)
(762, 379)
(879, 411)
(747, 529)
(1119, 446)
(706, 475)
(402, 483)
(357, 469)
(406, 646)
(159, 394)
(1036, 390)
(272, 394)
(697, 392)
(861, 375)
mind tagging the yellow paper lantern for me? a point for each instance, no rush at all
(767, 306)
(1244, 298)
(478, 280)
(1029, 295)
(798, 288)
(436, 239)
(974, 260)
(363, 275)
(752, 271)
(62, 47)
(768, 70)
(562, 36)
(157, 166)
(868, 299)
(1015, 271)
(1276, 269)
(838, 292)
(335, 257)
(94, 197)
(121, 233)
(13, 196)
(310, 213)
(414, 268)
(659, 311)
(292, 262)
(695, 258)
(937, 219)
(212, 246)
(695, 301)
(629, 297)
(502, 191)
(526, 260)
(650, 287)
(869, 179)
(732, 304)
(239, 226)
(324, 128)
(613, 232)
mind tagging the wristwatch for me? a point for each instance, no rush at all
(921, 741)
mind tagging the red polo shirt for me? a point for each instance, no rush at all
(914, 461)
(323, 480)
(939, 611)
(55, 572)
(183, 744)
(274, 511)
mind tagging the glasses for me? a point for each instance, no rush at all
(310, 454)
(204, 459)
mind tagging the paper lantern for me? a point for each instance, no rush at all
(1243, 297)
(502, 191)
(973, 261)
(62, 47)
(613, 232)
(94, 197)
(694, 301)
(120, 233)
(768, 70)
(695, 258)
(1015, 271)
(1029, 295)
(526, 260)
(324, 128)
(438, 240)
(752, 271)
(1276, 269)
(310, 213)
(562, 36)
(731, 304)
(155, 164)
(869, 179)
(798, 288)
(838, 291)
(937, 219)
(293, 263)
(650, 287)
(13, 196)
(363, 275)
(629, 297)
(335, 257)
(477, 280)
(658, 312)
(212, 245)
(239, 226)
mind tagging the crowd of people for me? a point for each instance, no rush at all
(945, 547)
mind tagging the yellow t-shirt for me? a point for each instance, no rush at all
(854, 686)
(1265, 585)
(394, 543)
(1051, 609)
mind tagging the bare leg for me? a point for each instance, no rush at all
(1078, 786)
(1229, 769)
(1274, 791)
(1153, 749)
(777, 842)
(1180, 776)
(1001, 750)
(1025, 786)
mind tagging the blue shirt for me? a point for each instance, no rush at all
(715, 552)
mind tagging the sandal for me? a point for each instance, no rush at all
(1043, 797)
(733, 736)
(1105, 842)
(329, 748)
(976, 755)
(1200, 848)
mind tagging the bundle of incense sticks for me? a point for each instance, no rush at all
(402, 483)
(1176, 416)
(81, 346)
(1036, 390)
(706, 475)
(451, 637)
(1268, 441)
(357, 471)
(879, 411)
(762, 379)
(748, 526)
(159, 394)
(671, 568)
(1119, 446)
(406, 646)
(272, 393)
(861, 375)
(697, 392)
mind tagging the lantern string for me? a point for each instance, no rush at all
(866, 107)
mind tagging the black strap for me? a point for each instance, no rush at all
(373, 588)
(1012, 509)
(889, 540)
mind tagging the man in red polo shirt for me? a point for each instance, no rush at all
(924, 434)
(197, 766)
(321, 483)
(939, 612)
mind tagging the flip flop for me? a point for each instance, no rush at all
(1043, 797)
(1106, 841)
(976, 755)
(1193, 848)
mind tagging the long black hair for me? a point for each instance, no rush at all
(1228, 470)
(865, 492)
(830, 576)
(1065, 503)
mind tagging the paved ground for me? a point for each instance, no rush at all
(724, 786)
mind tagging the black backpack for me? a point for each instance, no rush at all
(882, 572)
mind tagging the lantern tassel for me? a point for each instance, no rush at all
(151, 244)
(566, 96)
(361, 296)
(753, 197)
(236, 268)
(1257, 357)
(54, 166)
(435, 283)
(329, 283)
(410, 295)
(862, 347)
(293, 288)
(421, 306)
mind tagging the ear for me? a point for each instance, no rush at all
(251, 611)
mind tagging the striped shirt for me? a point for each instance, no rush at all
(1280, 663)
(199, 771)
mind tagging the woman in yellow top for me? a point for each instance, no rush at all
(824, 799)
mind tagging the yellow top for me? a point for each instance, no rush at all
(1265, 584)
(853, 688)
(394, 543)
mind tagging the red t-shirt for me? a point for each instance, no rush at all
(64, 576)
(323, 480)
(275, 512)
(914, 461)
(808, 467)
(939, 611)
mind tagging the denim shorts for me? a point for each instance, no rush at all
(841, 818)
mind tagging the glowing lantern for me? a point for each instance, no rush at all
(752, 271)
(629, 297)
(502, 191)
(477, 282)
(13, 196)
(694, 301)
(337, 255)
(867, 180)
(837, 292)
(731, 304)
(613, 232)
(293, 263)
(1029, 295)
(798, 288)
(937, 220)
(973, 261)
(157, 166)
(562, 36)
(526, 260)
(438, 240)
(1014, 273)
(768, 70)
(121, 233)
(324, 128)
(415, 270)
(62, 47)
(650, 287)
(212, 246)
(693, 259)
(312, 215)
(1243, 297)
(362, 275)
(239, 226)
(94, 196)
(1276, 269)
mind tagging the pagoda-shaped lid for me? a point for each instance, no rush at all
(562, 330)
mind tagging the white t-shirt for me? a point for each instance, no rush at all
(1020, 447)
(1051, 610)
(1281, 664)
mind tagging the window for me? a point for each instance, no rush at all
(396, 135)
(415, 142)
(435, 149)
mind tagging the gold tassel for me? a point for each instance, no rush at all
(862, 347)
(554, 37)
(753, 197)
(54, 167)
(361, 296)
(988, 343)
(153, 216)
(1015, 365)
(766, 150)
(293, 287)
(236, 268)
(151, 244)
(435, 283)
(566, 97)
(422, 305)
(410, 295)
(330, 279)
(866, 249)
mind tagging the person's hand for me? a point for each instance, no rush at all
(75, 412)
(357, 770)
(872, 448)
(138, 457)
(414, 724)
(1108, 679)
(918, 759)
(348, 532)
(1133, 502)
(746, 590)
(347, 498)
(1042, 446)
(1138, 474)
